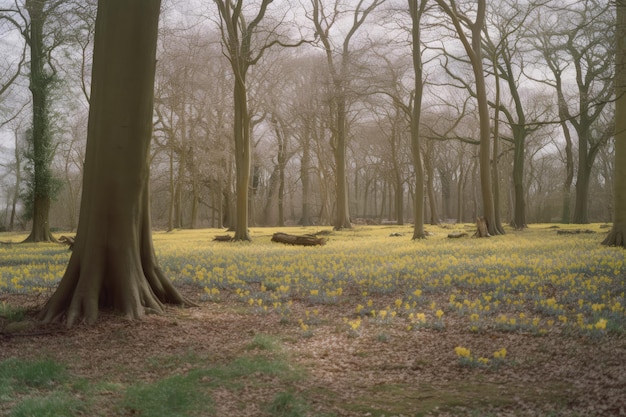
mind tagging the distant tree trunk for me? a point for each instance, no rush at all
(113, 264)
(430, 186)
(581, 202)
(473, 49)
(342, 214)
(18, 182)
(569, 174)
(416, 10)
(43, 187)
(305, 178)
(617, 235)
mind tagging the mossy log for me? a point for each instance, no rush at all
(303, 240)
(457, 235)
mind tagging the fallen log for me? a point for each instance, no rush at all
(302, 240)
(573, 232)
(68, 240)
(223, 238)
(457, 235)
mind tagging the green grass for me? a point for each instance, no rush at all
(22, 375)
(288, 404)
(12, 314)
(178, 395)
(55, 405)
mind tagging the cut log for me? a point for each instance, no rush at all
(457, 235)
(223, 238)
(304, 240)
(68, 240)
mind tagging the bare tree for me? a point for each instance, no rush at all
(340, 61)
(244, 42)
(580, 36)
(473, 48)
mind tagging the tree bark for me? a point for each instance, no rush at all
(43, 187)
(617, 235)
(113, 264)
(416, 10)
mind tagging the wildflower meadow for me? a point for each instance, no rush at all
(482, 299)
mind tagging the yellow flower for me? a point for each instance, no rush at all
(500, 354)
(439, 314)
(601, 324)
(462, 352)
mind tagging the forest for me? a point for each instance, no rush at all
(425, 157)
(314, 116)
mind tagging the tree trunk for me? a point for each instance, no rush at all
(43, 187)
(243, 159)
(113, 263)
(617, 235)
(430, 186)
(416, 9)
(342, 214)
(581, 204)
(305, 166)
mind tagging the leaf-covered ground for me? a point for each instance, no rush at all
(331, 353)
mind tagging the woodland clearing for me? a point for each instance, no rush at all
(370, 324)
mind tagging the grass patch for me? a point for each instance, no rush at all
(12, 314)
(178, 395)
(264, 342)
(287, 404)
(55, 405)
(41, 374)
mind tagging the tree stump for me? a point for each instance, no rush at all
(304, 240)
(481, 227)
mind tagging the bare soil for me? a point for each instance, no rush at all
(384, 370)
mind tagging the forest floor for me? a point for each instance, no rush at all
(222, 359)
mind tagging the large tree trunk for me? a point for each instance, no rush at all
(243, 158)
(113, 264)
(617, 235)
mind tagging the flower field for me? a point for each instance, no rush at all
(529, 317)
(536, 281)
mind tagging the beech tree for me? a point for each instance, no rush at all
(577, 43)
(340, 66)
(473, 48)
(617, 235)
(244, 44)
(113, 264)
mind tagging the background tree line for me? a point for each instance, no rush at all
(328, 112)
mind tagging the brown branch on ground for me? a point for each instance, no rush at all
(223, 238)
(68, 240)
